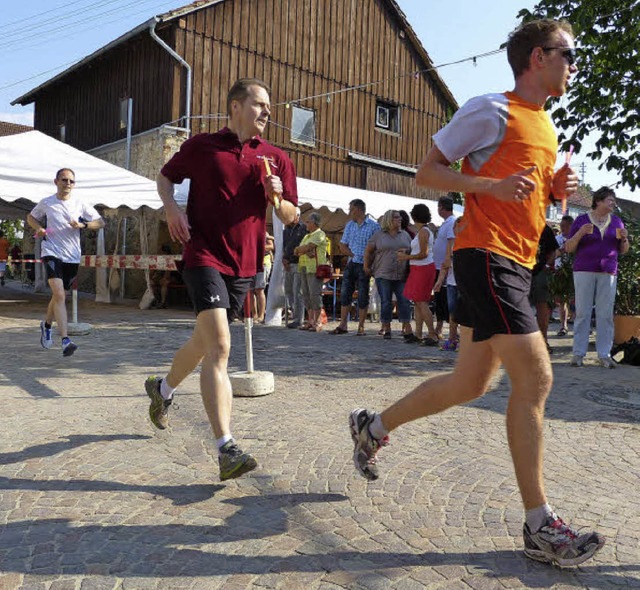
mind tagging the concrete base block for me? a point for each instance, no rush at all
(253, 384)
(79, 329)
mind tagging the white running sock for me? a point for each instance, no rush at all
(223, 440)
(536, 517)
(165, 391)
(377, 429)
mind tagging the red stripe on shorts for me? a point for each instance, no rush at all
(495, 297)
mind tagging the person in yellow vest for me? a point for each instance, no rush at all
(508, 147)
(312, 251)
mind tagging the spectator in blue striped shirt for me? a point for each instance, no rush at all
(353, 243)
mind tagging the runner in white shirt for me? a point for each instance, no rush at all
(58, 219)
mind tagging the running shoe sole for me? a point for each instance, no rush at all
(69, 349)
(361, 459)
(158, 418)
(248, 464)
(544, 557)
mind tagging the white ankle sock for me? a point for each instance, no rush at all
(223, 440)
(165, 391)
(377, 429)
(536, 517)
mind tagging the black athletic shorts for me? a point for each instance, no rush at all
(56, 269)
(441, 304)
(210, 289)
(493, 294)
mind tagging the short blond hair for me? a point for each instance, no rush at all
(387, 220)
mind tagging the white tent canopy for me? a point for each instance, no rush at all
(29, 161)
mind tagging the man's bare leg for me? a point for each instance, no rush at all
(475, 366)
(210, 344)
(526, 361)
(57, 309)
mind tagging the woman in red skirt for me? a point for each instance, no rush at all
(422, 276)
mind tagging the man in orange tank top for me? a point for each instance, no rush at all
(508, 147)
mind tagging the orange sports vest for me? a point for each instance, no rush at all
(513, 229)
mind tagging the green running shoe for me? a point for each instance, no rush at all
(159, 407)
(233, 462)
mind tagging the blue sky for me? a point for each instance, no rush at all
(40, 36)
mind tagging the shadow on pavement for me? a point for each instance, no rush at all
(140, 551)
(179, 495)
(66, 443)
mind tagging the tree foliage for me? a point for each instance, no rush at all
(12, 229)
(604, 95)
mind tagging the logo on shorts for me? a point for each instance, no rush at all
(214, 298)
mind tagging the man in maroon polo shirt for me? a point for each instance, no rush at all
(223, 234)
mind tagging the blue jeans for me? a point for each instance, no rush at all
(355, 278)
(386, 289)
(597, 288)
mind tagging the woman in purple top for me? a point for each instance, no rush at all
(596, 238)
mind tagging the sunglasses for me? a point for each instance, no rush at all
(69, 180)
(569, 53)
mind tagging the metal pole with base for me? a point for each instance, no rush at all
(250, 383)
(75, 328)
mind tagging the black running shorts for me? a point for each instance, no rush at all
(56, 269)
(493, 294)
(210, 289)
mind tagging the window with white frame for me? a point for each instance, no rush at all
(387, 117)
(303, 126)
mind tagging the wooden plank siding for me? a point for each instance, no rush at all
(87, 102)
(301, 48)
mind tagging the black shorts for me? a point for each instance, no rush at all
(210, 289)
(540, 292)
(493, 294)
(56, 269)
(441, 304)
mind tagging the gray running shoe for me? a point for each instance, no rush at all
(607, 362)
(46, 340)
(576, 361)
(159, 407)
(233, 462)
(365, 446)
(558, 543)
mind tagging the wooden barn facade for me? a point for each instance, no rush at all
(355, 98)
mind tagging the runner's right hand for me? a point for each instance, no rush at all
(178, 225)
(516, 187)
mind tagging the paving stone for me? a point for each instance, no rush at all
(92, 497)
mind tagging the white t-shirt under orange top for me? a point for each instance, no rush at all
(63, 241)
(415, 248)
(499, 135)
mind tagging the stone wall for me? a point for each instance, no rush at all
(149, 152)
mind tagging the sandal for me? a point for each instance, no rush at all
(304, 327)
(338, 330)
(411, 338)
(361, 332)
(387, 335)
(428, 341)
(562, 332)
(381, 332)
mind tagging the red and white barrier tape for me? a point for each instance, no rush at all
(131, 261)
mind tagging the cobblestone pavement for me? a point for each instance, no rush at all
(93, 498)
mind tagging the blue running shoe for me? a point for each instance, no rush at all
(68, 347)
(45, 336)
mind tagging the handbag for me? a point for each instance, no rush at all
(323, 271)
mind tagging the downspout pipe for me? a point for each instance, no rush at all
(170, 51)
